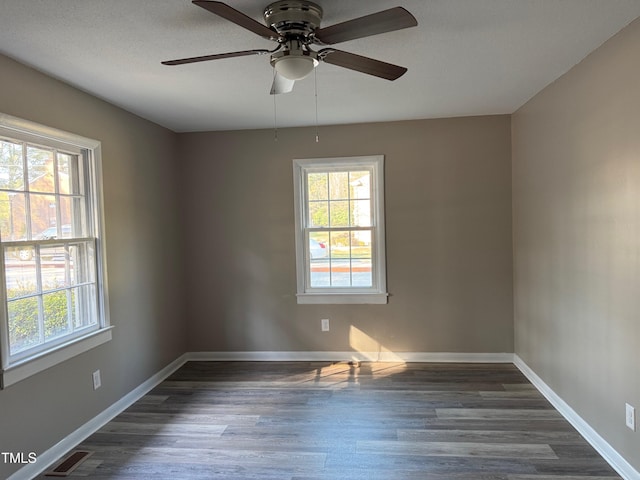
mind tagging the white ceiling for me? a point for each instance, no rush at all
(465, 57)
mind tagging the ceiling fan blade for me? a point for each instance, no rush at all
(281, 85)
(225, 11)
(362, 64)
(386, 21)
(217, 56)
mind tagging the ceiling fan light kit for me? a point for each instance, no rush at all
(295, 26)
(294, 62)
(294, 67)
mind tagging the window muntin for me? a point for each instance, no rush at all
(52, 271)
(340, 228)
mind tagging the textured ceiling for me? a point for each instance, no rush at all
(465, 57)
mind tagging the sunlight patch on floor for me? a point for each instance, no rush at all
(370, 350)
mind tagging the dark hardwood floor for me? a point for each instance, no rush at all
(322, 421)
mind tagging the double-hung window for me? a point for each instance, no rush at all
(52, 275)
(340, 252)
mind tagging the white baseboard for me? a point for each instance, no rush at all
(617, 462)
(385, 356)
(55, 453)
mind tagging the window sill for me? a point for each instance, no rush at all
(24, 369)
(343, 298)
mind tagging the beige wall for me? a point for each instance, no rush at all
(576, 210)
(449, 257)
(143, 264)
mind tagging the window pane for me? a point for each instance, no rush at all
(361, 213)
(318, 214)
(71, 266)
(40, 170)
(340, 259)
(361, 260)
(317, 186)
(361, 273)
(43, 217)
(56, 314)
(319, 275)
(319, 259)
(14, 226)
(339, 185)
(82, 263)
(361, 244)
(339, 244)
(20, 271)
(360, 185)
(78, 222)
(72, 218)
(23, 324)
(68, 175)
(66, 217)
(11, 165)
(339, 212)
(52, 263)
(12, 216)
(340, 274)
(83, 306)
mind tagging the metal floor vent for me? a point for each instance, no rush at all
(69, 464)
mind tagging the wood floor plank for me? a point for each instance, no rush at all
(497, 413)
(334, 421)
(152, 399)
(457, 449)
(187, 418)
(349, 474)
(558, 477)
(519, 386)
(489, 436)
(552, 425)
(512, 394)
(298, 461)
(203, 409)
(410, 464)
(140, 428)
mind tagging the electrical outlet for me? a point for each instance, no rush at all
(97, 381)
(630, 417)
(325, 324)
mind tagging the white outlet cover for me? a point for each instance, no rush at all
(630, 417)
(97, 381)
(325, 324)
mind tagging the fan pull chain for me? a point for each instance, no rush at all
(315, 82)
(275, 119)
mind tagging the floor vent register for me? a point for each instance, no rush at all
(69, 464)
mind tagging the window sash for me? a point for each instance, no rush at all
(351, 258)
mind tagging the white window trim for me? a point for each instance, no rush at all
(341, 295)
(12, 372)
(20, 370)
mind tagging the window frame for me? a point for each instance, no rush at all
(15, 368)
(377, 294)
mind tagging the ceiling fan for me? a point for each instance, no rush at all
(295, 26)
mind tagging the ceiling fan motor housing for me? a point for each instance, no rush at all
(290, 17)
